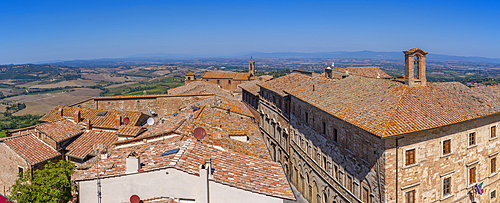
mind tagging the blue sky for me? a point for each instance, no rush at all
(33, 31)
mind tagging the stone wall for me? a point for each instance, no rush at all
(11, 161)
(347, 166)
(426, 176)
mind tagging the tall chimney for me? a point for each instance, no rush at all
(133, 162)
(118, 121)
(60, 112)
(77, 117)
(205, 170)
(89, 125)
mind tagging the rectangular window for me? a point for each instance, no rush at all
(348, 183)
(335, 137)
(307, 118)
(365, 195)
(493, 164)
(472, 139)
(410, 156)
(446, 147)
(324, 162)
(410, 196)
(493, 131)
(229, 81)
(324, 129)
(446, 186)
(218, 82)
(493, 194)
(472, 175)
(20, 170)
(336, 171)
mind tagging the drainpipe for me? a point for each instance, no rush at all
(397, 169)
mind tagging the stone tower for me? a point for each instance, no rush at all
(251, 67)
(415, 57)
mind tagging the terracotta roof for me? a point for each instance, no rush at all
(31, 148)
(226, 75)
(387, 108)
(106, 121)
(200, 87)
(288, 81)
(130, 130)
(251, 86)
(60, 130)
(146, 96)
(372, 72)
(84, 145)
(233, 169)
(190, 73)
(233, 105)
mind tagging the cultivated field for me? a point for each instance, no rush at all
(42, 103)
(69, 83)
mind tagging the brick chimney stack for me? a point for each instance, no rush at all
(77, 117)
(60, 112)
(89, 125)
(118, 121)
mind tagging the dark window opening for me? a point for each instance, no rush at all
(324, 128)
(410, 156)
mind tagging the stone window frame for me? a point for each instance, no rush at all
(442, 147)
(467, 173)
(496, 132)
(415, 157)
(475, 139)
(492, 171)
(450, 194)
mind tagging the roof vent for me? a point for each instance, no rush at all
(102, 113)
(173, 151)
(133, 162)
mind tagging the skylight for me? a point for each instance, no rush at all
(173, 151)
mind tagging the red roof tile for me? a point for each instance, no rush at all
(226, 75)
(106, 121)
(372, 72)
(291, 80)
(31, 148)
(84, 145)
(233, 169)
(60, 130)
(130, 130)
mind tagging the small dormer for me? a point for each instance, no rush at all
(415, 58)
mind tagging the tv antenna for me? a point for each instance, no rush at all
(97, 148)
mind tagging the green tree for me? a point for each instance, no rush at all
(51, 184)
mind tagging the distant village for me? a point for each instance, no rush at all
(350, 134)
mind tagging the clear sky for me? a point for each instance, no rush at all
(48, 30)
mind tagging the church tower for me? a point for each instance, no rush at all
(415, 58)
(251, 67)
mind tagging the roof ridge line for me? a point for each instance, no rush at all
(395, 110)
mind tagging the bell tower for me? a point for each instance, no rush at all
(251, 67)
(415, 58)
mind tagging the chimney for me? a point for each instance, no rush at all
(77, 117)
(328, 72)
(205, 172)
(118, 121)
(89, 125)
(133, 162)
(60, 112)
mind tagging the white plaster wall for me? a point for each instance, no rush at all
(175, 184)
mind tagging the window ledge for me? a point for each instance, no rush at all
(446, 155)
(446, 197)
(493, 174)
(493, 138)
(409, 166)
(472, 146)
(471, 185)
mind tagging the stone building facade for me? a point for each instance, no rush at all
(367, 138)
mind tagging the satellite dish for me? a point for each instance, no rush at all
(199, 133)
(153, 112)
(135, 199)
(126, 120)
(151, 121)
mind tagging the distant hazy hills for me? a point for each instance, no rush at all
(162, 57)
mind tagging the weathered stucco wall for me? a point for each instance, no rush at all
(167, 183)
(10, 161)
